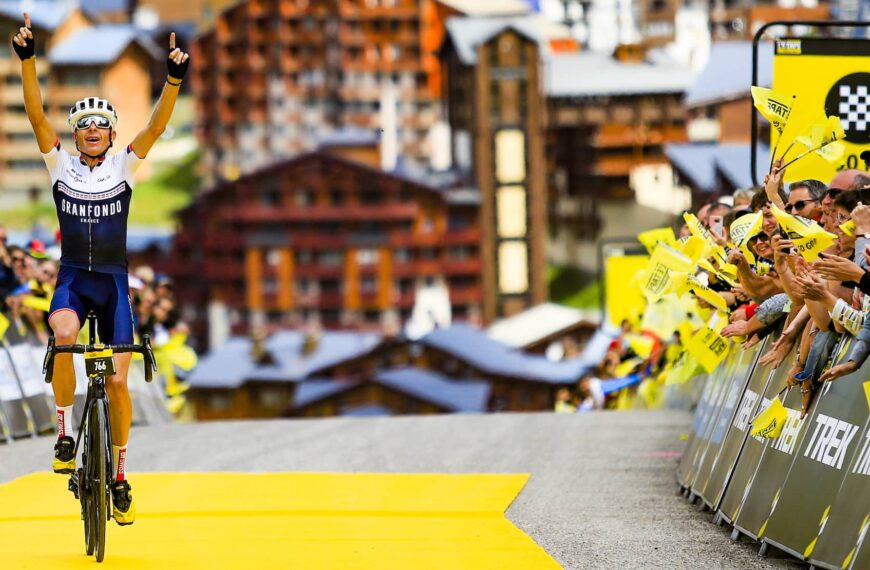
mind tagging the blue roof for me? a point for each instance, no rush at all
(455, 395)
(43, 14)
(701, 162)
(100, 45)
(231, 365)
(728, 74)
(317, 389)
(474, 347)
(99, 6)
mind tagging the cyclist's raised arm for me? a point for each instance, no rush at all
(177, 63)
(24, 46)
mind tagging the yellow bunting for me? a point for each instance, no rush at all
(769, 423)
(708, 348)
(775, 107)
(665, 261)
(650, 239)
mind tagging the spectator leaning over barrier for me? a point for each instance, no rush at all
(805, 199)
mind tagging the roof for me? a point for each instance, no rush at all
(728, 74)
(473, 346)
(467, 33)
(43, 14)
(100, 6)
(231, 365)
(591, 74)
(701, 162)
(454, 395)
(100, 45)
(462, 396)
(535, 324)
(349, 136)
(487, 7)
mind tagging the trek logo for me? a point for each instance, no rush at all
(744, 412)
(787, 440)
(862, 466)
(61, 427)
(830, 441)
(91, 213)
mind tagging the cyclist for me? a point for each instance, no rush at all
(92, 192)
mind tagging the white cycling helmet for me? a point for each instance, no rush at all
(92, 106)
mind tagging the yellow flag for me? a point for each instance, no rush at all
(745, 227)
(651, 238)
(834, 152)
(627, 367)
(834, 130)
(775, 107)
(708, 348)
(713, 250)
(656, 280)
(769, 423)
(4, 325)
(685, 282)
(693, 247)
(684, 369)
(808, 236)
(640, 344)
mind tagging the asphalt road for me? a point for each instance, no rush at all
(602, 492)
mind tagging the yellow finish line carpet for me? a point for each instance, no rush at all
(287, 520)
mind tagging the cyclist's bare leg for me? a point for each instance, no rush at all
(120, 405)
(65, 325)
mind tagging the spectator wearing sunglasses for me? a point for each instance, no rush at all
(805, 199)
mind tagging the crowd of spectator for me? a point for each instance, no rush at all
(775, 288)
(28, 275)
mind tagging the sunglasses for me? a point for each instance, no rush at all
(100, 121)
(17, 259)
(799, 205)
(760, 236)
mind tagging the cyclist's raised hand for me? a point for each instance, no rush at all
(178, 60)
(23, 42)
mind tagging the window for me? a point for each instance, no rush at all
(511, 211)
(304, 256)
(303, 197)
(370, 198)
(513, 267)
(273, 257)
(401, 255)
(336, 198)
(367, 256)
(368, 284)
(510, 155)
(331, 258)
(270, 198)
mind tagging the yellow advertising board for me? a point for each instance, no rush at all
(828, 77)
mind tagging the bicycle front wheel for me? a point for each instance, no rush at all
(99, 477)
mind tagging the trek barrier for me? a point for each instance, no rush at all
(805, 492)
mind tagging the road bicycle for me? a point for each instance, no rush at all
(91, 483)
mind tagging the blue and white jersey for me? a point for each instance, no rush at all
(92, 208)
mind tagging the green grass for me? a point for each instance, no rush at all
(573, 288)
(155, 200)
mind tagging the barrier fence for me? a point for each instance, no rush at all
(27, 402)
(805, 492)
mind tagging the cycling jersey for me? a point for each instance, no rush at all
(92, 208)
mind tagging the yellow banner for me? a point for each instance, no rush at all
(684, 283)
(708, 348)
(837, 73)
(623, 301)
(769, 423)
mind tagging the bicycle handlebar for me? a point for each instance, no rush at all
(144, 349)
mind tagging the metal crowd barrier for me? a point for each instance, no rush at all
(27, 402)
(806, 492)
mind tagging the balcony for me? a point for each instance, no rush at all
(463, 267)
(12, 95)
(469, 236)
(395, 212)
(14, 123)
(224, 270)
(320, 271)
(466, 295)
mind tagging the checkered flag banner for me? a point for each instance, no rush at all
(854, 107)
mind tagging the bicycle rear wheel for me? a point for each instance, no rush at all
(99, 479)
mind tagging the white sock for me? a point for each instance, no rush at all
(64, 421)
(119, 458)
